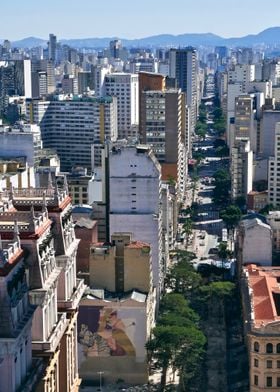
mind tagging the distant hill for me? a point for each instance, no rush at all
(29, 42)
(269, 36)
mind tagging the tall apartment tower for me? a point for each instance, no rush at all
(135, 200)
(164, 129)
(147, 82)
(183, 67)
(241, 169)
(273, 173)
(124, 87)
(52, 47)
(83, 122)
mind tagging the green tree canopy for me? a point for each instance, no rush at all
(231, 216)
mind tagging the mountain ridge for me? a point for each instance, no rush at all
(268, 36)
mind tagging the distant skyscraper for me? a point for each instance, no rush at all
(52, 47)
(125, 88)
(115, 47)
(183, 67)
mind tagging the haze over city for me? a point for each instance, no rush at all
(130, 19)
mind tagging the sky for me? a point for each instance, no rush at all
(135, 18)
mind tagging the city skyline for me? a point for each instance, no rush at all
(110, 19)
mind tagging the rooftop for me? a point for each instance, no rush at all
(264, 291)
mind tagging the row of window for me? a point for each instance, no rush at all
(269, 381)
(269, 364)
(269, 348)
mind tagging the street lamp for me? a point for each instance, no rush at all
(100, 380)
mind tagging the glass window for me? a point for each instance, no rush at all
(269, 381)
(256, 347)
(269, 348)
(278, 348)
(256, 380)
(278, 364)
(278, 381)
(256, 362)
(269, 364)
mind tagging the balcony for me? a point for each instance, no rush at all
(73, 302)
(55, 337)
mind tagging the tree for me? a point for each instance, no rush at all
(176, 337)
(188, 228)
(182, 278)
(231, 216)
(222, 151)
(221, 191)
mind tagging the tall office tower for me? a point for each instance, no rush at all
(125, 88)
(52, 47)
(115, 47)
(241, 169)
(71, 127)
(147, 81)
(135, 200)
(273, 171)
(184, 68)
(164, 129)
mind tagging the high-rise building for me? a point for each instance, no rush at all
(71, 127)
(163, 125)
(147, 81)
(273, 172)
(135, 200)
(124, 87)
(15, 78)
(241, 169)
(115, 47)
(52, 47)
(183, 67)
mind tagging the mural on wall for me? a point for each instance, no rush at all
(102, 332)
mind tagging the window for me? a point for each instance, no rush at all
(269, 381)
(269, 364)
(256, 347)
(278, 348)
(256, 380)
(278, 364)
(269, 348)
(256, 362)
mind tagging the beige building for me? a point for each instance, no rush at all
(121, 267)
(117, 313)
(261, 309)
